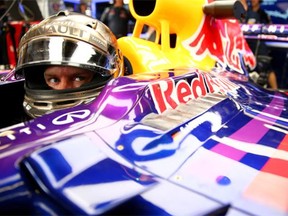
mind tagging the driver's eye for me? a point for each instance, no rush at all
(79, 78)
(53, 80)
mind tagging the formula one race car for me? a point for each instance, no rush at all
(196, 139)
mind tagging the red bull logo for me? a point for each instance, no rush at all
(227, 46)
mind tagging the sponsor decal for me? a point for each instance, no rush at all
(69, 28)
(67, 118)
(222, 41)
(169, 93)
(12, 134)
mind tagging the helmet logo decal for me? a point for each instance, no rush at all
(70, 117)
(54, 29)
(65, 28)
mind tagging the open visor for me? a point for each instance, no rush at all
(62, 51)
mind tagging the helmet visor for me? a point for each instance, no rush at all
(63, 51)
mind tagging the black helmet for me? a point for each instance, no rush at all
(66, 39)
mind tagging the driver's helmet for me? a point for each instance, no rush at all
(66, 39)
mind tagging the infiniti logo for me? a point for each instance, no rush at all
(70, 117)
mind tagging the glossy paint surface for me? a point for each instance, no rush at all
(216, 141)
(193, 137)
